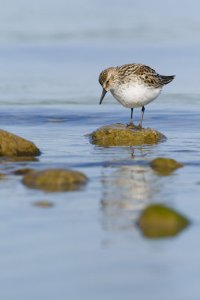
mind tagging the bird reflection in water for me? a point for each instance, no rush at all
(126, 190)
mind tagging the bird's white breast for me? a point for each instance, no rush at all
(136, 95)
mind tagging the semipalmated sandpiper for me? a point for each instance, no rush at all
(133, 85)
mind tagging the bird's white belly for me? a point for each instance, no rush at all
(135, 96)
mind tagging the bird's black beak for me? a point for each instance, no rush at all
(102, 95)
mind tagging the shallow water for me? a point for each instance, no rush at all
(87, 245)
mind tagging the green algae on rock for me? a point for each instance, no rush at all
(55, 180)
(159, 221)
(13, 145)
(165, 166)
(121, 135)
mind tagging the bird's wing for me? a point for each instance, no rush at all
(144, 74)
(151, 77)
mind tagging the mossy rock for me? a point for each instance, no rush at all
(121, 135)
(165, 166)
(159, 221)
(13, 145)
(55, 180)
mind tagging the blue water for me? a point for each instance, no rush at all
(87, 245)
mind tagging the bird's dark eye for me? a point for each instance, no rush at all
(107, 81)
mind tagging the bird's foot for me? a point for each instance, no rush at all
(131, 126)
(139, 126)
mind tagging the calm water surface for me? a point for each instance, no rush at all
(87, 245)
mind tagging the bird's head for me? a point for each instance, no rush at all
(107, 79)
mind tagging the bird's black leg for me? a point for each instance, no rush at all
(130, 125)
(142, 115)
(131, 120)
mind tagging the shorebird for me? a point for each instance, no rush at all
(133, 85)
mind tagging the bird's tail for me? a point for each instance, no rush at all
(167, 79)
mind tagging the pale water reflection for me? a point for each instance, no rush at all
(126, 190)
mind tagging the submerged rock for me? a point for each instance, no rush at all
(22, 171)
(5, 159)
(165, 166)
(55, 180)
(13, 145)
(2, 176)
(43, 204)
(157, 221)
(121, 135)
